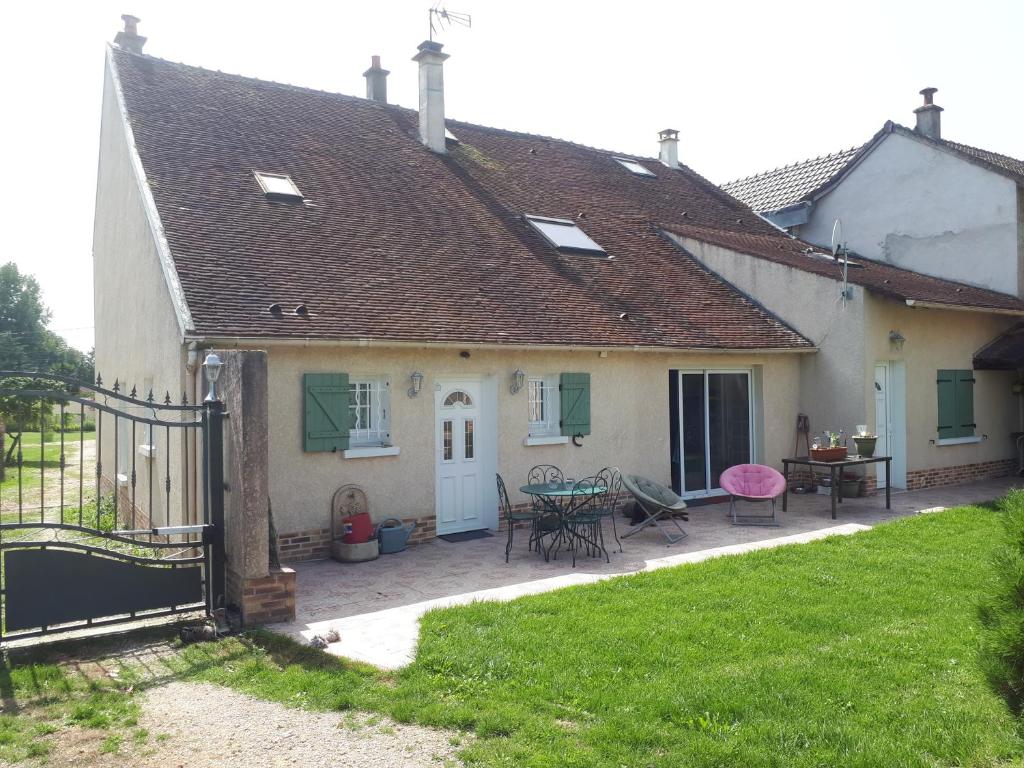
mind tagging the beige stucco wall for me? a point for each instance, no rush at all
(831, 380)
(138, 341)
(629, 411)
(938, 339)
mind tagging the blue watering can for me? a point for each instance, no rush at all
(393, 536)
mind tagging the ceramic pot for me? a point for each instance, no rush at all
(865, 445)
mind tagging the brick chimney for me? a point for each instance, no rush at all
(376, 81)
(431, 62)
(129, 39)
(929, 116)
(668, 141)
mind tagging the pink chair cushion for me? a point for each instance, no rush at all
(752, 481)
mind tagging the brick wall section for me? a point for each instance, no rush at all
(313, 544)
(963, 473)
(264, 600)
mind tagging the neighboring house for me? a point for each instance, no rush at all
(917, 212)
(434, 309)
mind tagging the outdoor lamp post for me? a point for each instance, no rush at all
(212, 365)
(518, 377)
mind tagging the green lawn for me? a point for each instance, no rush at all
(34, 463)
(851, 651)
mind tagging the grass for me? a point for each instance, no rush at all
(35, 463)
(854, 651)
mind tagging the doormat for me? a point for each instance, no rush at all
(455, 538)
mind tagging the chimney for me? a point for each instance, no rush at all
(431, 95)
(668, 140)
(376, 81)
(929, 116)
(129, 39)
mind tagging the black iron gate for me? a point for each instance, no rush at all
(111, 505)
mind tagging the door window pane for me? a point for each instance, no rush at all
(447, 439)
(728, 422)
(694, 467)
(469, 438)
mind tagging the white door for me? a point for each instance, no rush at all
(883, 420)
(460, 475)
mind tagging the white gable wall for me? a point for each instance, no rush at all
(925, 209)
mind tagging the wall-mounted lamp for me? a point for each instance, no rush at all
(212, 365)
(518, 378)
(896, 339)
(417, 384)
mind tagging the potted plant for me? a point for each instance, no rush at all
(851, 485)
(830, 447)
(865, 442)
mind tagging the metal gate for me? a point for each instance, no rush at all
(111, 505)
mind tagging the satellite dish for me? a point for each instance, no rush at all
(837, 238)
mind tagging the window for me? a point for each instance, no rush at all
(542, 402)
(956, 404)
(458, 397)
(277, 185)
(633, 166)
(564, 235)
(368, 408)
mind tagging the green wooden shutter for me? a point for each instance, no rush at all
(327, 417)
(965, 403)
(947, 426)
(574, 400)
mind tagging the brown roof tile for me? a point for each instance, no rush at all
(396, 243)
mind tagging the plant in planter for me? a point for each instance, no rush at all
(830, 447)
(865, 443)
(851, 485)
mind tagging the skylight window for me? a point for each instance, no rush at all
(633, 166)
(564, 235)
(277, 185)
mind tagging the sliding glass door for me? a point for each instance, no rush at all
(711, 427)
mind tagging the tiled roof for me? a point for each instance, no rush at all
(880, 278)
(1004, 353)
(774, 190)
(395, 243)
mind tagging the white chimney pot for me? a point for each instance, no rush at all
(668, 142)
(431, 62)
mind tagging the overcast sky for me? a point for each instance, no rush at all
(750, 86)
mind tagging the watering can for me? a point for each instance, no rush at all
(393, 536)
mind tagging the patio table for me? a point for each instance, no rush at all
(835, 470)
(557, 501)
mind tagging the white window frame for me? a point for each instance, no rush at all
(634, 167)
(376, 434)
(584, 243)
(545, 431)
(265, 179)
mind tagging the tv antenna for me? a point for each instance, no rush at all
(441, 18)
(839, 249)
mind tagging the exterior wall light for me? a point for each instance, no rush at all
(896, 339)
(518, 378)
(417, 384)
(212, 365)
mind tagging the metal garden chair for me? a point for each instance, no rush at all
(512, 517)
(583, 517)
(659, 505)
(607, 505)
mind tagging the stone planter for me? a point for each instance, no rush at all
(355, 553)
(865, 445)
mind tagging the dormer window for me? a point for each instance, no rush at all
(633, 166)
(278, 185)
(564, 235)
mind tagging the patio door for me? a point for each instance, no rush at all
(460, 471)
(712, 428)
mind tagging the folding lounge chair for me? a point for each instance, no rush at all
(659, 505)
(752, 482)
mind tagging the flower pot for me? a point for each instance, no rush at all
(851, 489)
(829, 454)
(865, 445)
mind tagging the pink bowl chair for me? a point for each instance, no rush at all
(752, 482)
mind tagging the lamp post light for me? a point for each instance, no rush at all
(897, 339)
(518, 377)
(212, 365)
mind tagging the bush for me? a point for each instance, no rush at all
(1002, 614)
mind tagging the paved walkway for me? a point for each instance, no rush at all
(375, 606)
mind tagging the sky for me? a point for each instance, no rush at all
(750, 86)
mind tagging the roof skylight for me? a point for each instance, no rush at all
(633, 166)
(277, 185)
(564, 235)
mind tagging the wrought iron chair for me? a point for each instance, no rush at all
(659, 504)
(610, 478)
(512, 517)
(583, 517)
(543, 473)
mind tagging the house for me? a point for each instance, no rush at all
(935, 236)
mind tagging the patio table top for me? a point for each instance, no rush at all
(560, 489)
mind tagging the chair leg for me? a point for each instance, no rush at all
(600, 535)
(508, 546)
(615, 531)
(732, 508)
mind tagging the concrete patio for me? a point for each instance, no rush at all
(375, 606)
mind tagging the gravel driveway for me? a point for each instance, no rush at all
(198, 724)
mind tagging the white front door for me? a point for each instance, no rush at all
(883, 420)
(460, 475)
